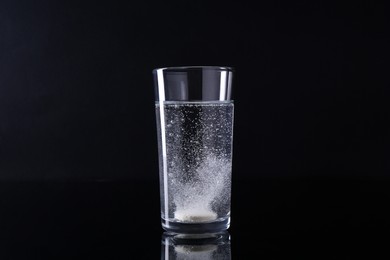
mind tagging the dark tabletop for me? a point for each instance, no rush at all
(318, 217)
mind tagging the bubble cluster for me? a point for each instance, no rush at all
(197, 199)
(198, 159)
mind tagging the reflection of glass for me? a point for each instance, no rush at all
(194, 112)
(195, 247)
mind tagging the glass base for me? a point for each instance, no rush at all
(196, 228)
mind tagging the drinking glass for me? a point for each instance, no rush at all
(194, 114)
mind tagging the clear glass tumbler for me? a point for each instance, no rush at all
(194, 112)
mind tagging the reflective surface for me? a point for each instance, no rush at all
(195, 246)
(272, 218)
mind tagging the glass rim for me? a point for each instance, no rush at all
(186, 68)
(195, 102)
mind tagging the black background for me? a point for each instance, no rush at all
(78, 145)
(77, 99)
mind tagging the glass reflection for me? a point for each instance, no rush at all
(195, 246)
